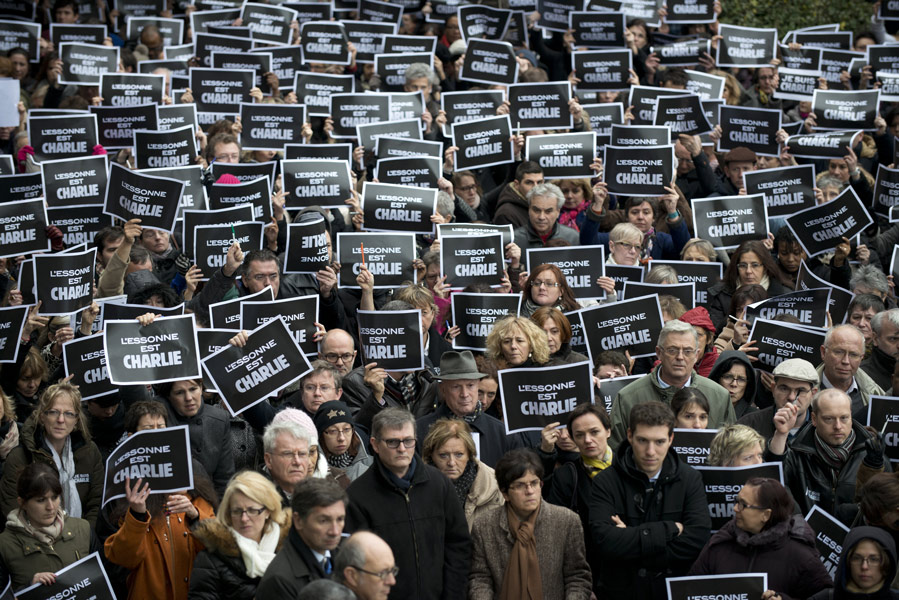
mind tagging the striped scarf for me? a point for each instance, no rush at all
(835, 456)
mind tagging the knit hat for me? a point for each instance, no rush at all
(228, 178)
(699, 317)
(298, 417)
(332, 413)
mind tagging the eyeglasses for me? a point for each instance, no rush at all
(743, 505)
(287, 455)
(729, 379)
(333, 357)
(237, 513)
(629, 247)
(873, 561)
(262, 277)
(382, 575)
(747, 266)
(221, 157)
(523, 486)
(841, 354)
(394, 443)
(338, 431)
(549, 284)
(311, 388)
(673, 351)
(788, 391)
(467, 188)
(54, 414)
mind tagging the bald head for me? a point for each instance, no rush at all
(842, 354)
(832, 416)
(338, 348)
(365, 551)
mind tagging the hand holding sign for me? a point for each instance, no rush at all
(137, 496)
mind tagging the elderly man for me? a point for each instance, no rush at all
(457, 392)
(286, 447)
(338, 348)
(415, 509)
(881, 364)
(678, 351)
(319, 512)
(795, 382)
(366, 566)
(842, 354)
(822, 460)
(736, 162)
(544, 203)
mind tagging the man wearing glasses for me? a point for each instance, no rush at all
(414, 508)
(795, 382)
(366, 566)
(678, 351)
(841, 356)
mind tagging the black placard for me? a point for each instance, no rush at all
(171, 30)
(62, 136)
(64, 282)
(834, 62)
(685, 292)
(258, 62)
(406, 106)
(387, 256)
(226, 315)
(837, 40)
(682, 54)
(475, 229)
(194, 194)
(75, 32)
(6, 163)
(632, 325)
(314, 90)
(602, 70)
(554, 13)
(804, 58)
(392, 339)
(564, 155)
(246, 172)
(469, 106)
(255, 192)
(839, 298)
(286, 62)
(581, 266)
(466, 260)
(745, 46)
(744, 585)
(165, 149)
(883, 57)
(203, 18)
(74, 181)
(643, 99)
(703, 275)
(82, 580)
(131, 89)
(23, 225)
(475, 315)
(164, 350)
(392, 68)
(722, 484)
(796, 84)
(623, 273)
(270, 126)
(728, 221)
(778, 341)
(829, 536)
(268, 23)
(820, 228)
(12, 320)
(368, 38)
(889, 11)
(602, 118)
(324, 42)
(594, 29)
(83, 64)
(415, 171)
(638, 171)
(692, 445)
(211, 341)
(753, 128)
(609, 388)
(324, 183)
(839, 109)
(84, 360)
(886, 190)
(350, 110)
(368, 134)
(640, 135)
(16, 34)
(882, 416)
(380, 12)
(489, 62)
(220, 91)
(391, 147)
(211, 243)
(159, 457)
(342, 152)
(532, 398)
(78, 224)
(809, 306)
(207, 43)
(308, 248)
(408, 44)
(116, 125)
(889, 86)
(786, 189)
(682, 114)
(175, 116)
(704, 85)
(481, 21)
(152, 199)
(832, 144)
(120, 310)
(690, 11)
(540, 106)
(388, 207)
(483, 143)
(299, 314)
(193, 218)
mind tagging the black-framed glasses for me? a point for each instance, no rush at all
(744, 505)
(237, 513)
(394, 443)
(873, 560)
(382, 575)
(333, 357)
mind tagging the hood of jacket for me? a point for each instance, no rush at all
(852, 539)
(218, 539)
(723, 365)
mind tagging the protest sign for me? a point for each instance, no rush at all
(819, 229)
(18, 34)
(563, 155)
(475, 314)
(882, 57)
(285, 63)
(408, 44)
(84, 579)
(594, 29)
(829, 536)
(12, 320)
(839, 40)
(131, 89)
(414, 171)
(798, 85)
(118, 309)
(256, 193)
(368, 38)
(202, 20)
(270, 126)
(489, 62)
(392, 68)
(602, 118)
(787, 190)
(324, 42)
(246, 172)
(393, 339)
(211, 243)
(314, 91)
(6, 167)
(177, 115)
(308, 247)
(341, 152)
(809, 306)
(889, 11)
(638, 171)
(834, 62)
(554, 13)
(64, 281)
(690, 11)
(685, 292)
(26, 282)
(602, 70)
(62, 136)
(408, 106)
(778, 341)
(622, 273)
(160, 457)
(632, 325)
(74, 181)
(753, 128)
(164, 350)
(299, 315)
(226, 315)
(745, 46)
(728, 221)
(268, 23)
(116, 125)
(483, 143)
(743, 585)
(830, 144)
(84, 360)
(466, 260)
(581, 266)
(702, 274)
(722, 484)
(324, 183)
(194, 194)
(682, 114)
(532, 398)
(840, 109)
(640, 135)
(24, 225)
(886, 190)
(883, 417)
(390, 207)
(540, 105)
(469, 106)
(704, 85)
(133, 195)
(171, 30)
(82, 64)
(350, 110)
(387, 256)
(368, 134)
(380, 12)
(609, 388)
(164, 149)
(480, 21)
(839, 297)
(889, 86)
(211, 341)
(692, 445)
(475, 229)
(220, 91)
(391, 147)
(684, 53)
(805, 58)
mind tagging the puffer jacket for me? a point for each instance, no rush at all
(855, 536)
(786, 552)
(725, 361)
(219, 571)
(89, 468)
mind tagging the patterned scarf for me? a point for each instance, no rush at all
(569, 215)
(835, 456)
(409, 387)
(341, 461)
(648, 239)
(463, 483)
(470, 419)
(595, 465)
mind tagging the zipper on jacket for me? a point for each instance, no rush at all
(414, 542)
(168, 526)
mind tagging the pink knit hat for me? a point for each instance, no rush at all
(298, 417)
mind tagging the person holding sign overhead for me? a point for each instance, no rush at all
(546, 286)
(544, 203)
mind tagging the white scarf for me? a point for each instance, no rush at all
(65, 464)
(256, 557)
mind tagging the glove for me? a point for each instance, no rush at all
(182, 263)
(55, 237)
(874, 453)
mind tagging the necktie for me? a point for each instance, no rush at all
(326, 565)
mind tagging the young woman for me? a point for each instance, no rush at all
(691, 409)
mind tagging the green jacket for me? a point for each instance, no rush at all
(647, 389)
(23, 556)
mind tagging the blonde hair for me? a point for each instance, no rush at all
(49, 397)
(9, 407)
(535, 336)
(259, 489)
(730, 441)
(418, 296)
(444, 430)
(625, 231)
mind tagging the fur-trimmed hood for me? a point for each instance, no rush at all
(216, 538)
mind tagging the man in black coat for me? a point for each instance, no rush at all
(414, 508)
(319, 510)
(648, 512)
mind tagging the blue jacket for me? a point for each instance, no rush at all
(664, 246)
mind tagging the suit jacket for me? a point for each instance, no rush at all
(291, 570)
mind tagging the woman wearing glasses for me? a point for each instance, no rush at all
(56, 434)
(867, 566)
(751, 264)
(546, 286)
(734, 372)
(240, 541)
(766, 537)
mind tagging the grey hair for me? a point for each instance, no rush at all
(323, 366)
(270, 436)
(829, 392)
(446, 206)
(547, 189)
(419, 70)
(624, 231)
(397, 305)
(877, 322)
(352, 554)
(676, 326)
(844, 327)
(391, 418)
(829, 181)
(870, 277)
(325, 589)
(661, 274)
(703, 246)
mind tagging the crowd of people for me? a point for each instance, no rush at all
(360, 482)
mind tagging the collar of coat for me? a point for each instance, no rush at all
(804, 440)
(218, 539)
(624, 464)
(419, 477)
